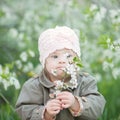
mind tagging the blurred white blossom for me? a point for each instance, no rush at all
(24, 56)
(116, 72)
(93, 7)
(20, 38)
(8, 78)
(6, 70)
(13, 33)
(18, 64)
(31, 53)
(115, 15)
(15, 82)
(98, 77)
(107, 65)
(116, 44)
(28, 67)
(100, 15)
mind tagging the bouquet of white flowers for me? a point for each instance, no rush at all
(71, 69)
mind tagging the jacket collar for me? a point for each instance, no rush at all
(45, 81)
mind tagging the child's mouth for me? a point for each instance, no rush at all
(61, 68)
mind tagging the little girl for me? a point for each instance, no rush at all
(61, 91)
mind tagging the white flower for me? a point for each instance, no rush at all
(57, 92)
(54, 72)
(59, 84)
(70, 69)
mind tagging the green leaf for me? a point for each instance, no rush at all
(77, 61)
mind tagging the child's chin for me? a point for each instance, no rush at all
(61, 73)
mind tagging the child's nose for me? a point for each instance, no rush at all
(62, 60)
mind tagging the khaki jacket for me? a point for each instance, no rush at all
(35, 94)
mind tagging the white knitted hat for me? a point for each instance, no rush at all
(57, 38)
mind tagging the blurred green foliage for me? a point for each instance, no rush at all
(97, 24)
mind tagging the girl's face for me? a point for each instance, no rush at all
(56, 62)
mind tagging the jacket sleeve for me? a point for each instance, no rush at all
(93, 102)
(29, 105)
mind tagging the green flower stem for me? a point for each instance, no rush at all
(3, 97)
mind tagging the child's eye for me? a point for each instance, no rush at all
(54, 56)
(69, 55)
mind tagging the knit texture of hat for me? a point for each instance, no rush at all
(57, 38)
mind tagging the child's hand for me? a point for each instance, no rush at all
(53, 107)
(66, 98)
